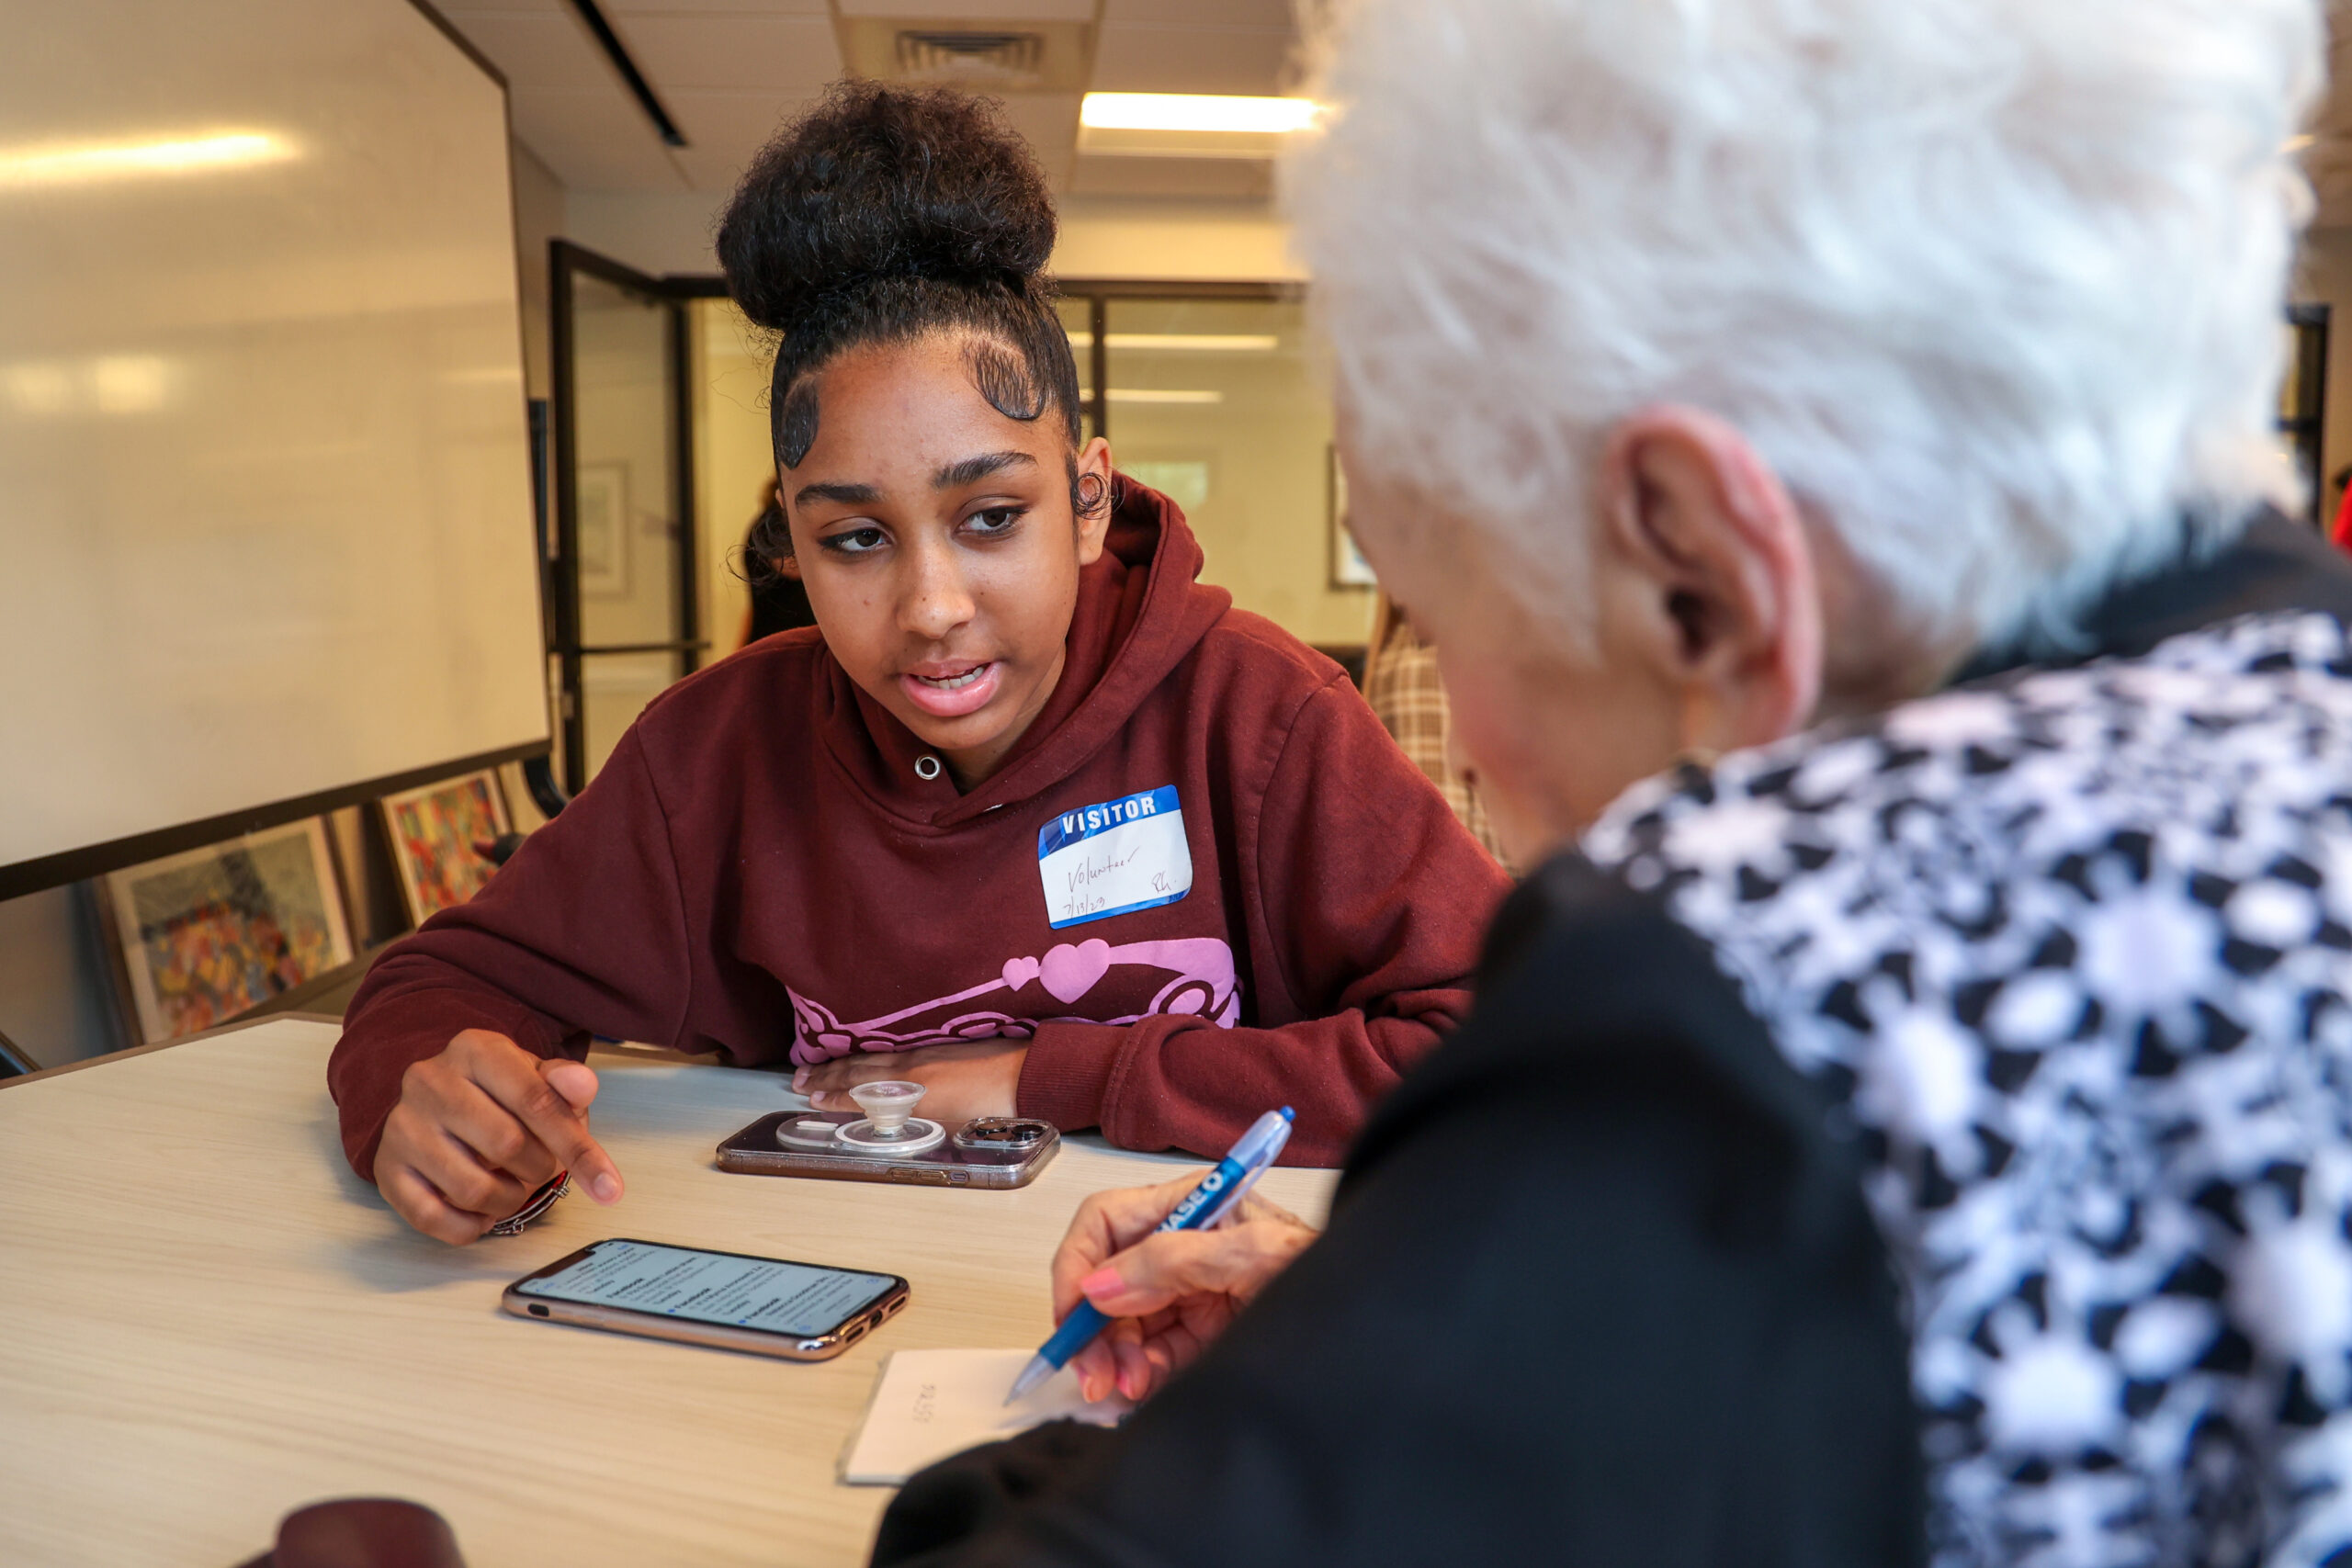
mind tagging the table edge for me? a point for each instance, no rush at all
(237, 1028)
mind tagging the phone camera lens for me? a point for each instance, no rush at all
(1007, 1134)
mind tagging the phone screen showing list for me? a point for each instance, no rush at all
(713, 1287)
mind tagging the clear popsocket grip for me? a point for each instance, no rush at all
(891, 1126)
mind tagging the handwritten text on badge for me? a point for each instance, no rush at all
(1108, 859)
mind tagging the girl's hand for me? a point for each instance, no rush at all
(971, 1077)
(1168, 1292)
(481, 1126)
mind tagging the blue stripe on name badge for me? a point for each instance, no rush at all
(1115, 857)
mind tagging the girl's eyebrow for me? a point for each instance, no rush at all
(847, 494)
(971, 470)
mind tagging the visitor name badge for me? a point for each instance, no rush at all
(1122, 855)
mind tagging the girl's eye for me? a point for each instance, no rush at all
(995, 520)
(854, 542)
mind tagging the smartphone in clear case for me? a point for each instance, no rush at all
(989, 1151)
(694, 1295)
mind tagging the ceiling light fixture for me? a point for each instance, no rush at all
(1189, 125)
(1196, 112)
(1159, 395)
(56, 164)
(1183, 342)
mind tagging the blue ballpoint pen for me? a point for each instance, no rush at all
(1219, 1191)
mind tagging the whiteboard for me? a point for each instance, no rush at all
(265, 526)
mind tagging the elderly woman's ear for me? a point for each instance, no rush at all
(1708, 571)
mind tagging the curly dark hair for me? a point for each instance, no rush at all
(884, 214)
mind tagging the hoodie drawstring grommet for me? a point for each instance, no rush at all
(926, 767)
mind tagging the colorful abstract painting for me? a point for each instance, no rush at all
(433, 833)
(207, 935)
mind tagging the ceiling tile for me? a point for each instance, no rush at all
(1133, 57)
(549, 52)
(1225, 178)
(718, 7)
(1048, 122)
(724, 129)
(790, 56)
(937, 11)
(1271, 15)
(594, 141)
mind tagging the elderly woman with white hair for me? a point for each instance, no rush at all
(1912, 1121)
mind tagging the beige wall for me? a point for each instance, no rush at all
(2325, 277)
(1195, 240)
(538, 218)
(732, 459)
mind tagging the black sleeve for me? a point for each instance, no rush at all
(1599, 1289)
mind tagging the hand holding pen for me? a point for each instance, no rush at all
(1167, 1293)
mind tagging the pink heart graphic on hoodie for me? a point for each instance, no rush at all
(1069, 973)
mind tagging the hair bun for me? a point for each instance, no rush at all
(881, 182)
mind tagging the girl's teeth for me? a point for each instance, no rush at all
(952, 682)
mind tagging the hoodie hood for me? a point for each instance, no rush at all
(1140, 611)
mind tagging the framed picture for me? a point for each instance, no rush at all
(433, 832)
(201, 937)
(601, 527)
(1349, 569)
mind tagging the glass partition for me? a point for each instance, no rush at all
(1216, 403)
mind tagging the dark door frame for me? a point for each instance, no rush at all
(567, 261)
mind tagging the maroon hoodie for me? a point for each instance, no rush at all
(760, 869)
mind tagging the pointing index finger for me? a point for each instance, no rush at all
(550, 1116)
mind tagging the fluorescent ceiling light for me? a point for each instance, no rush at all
(1195, 111)
(55, 164)
(1157, 395)
(114, 383)
(1195, 343)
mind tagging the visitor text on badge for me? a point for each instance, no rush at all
(1122, 855)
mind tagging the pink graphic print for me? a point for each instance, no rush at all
(1204, 986)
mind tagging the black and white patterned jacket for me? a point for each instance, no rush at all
(2070, 951)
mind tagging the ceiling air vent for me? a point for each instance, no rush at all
(979, 52)
(1007, 62)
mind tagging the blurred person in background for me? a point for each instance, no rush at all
(1918, 1125)
(779, 601)
(1402, 685)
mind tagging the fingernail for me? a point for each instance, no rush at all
(800, 1079)
(1103, 1281)
(1126, 1383)
(818, 1100)
(606, 1188)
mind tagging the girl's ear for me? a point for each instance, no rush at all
(787, 566)
(1094, 483)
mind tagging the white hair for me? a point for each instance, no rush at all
(1993, 284)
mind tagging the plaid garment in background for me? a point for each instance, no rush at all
(1400, 683)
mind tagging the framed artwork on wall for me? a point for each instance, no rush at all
(432, 831)
(602, 523)
(1349, 569)
(198, 937)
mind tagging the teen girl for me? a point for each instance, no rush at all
(1030, 816)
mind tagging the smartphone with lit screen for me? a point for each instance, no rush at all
(730, 1300)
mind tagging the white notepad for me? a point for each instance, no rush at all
(930, 1404)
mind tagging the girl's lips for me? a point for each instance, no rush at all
(943, 699)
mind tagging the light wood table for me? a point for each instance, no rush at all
(205, 1320)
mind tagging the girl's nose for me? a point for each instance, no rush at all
(936, 599)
